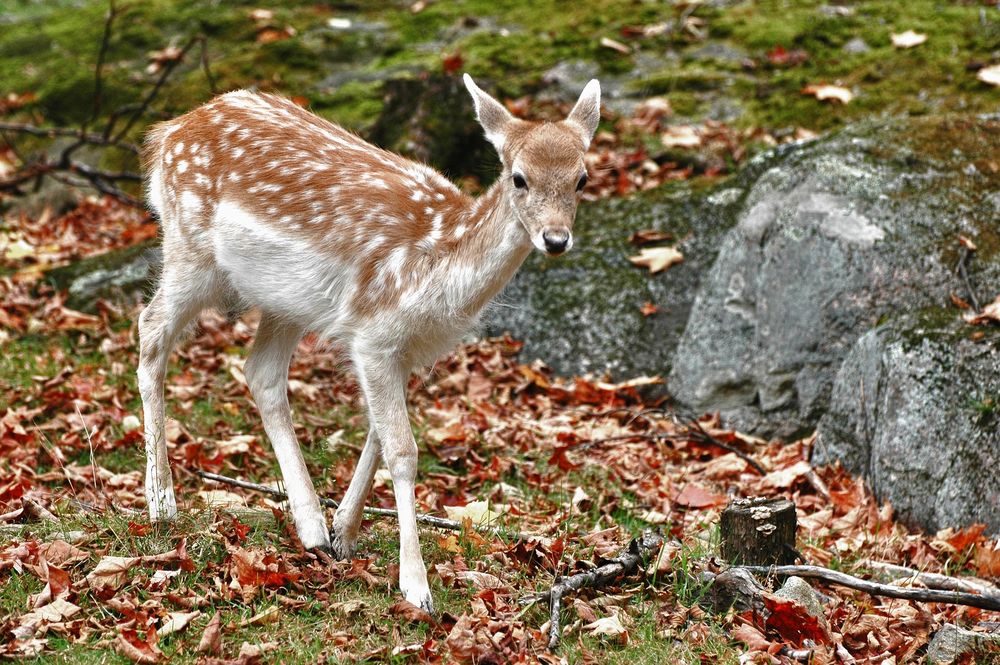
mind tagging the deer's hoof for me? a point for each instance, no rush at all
(422, 600)
(341, 548)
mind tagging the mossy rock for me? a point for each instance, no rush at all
(835, 235)
(124, 276)
(915, 408)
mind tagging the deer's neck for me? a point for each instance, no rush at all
(487, 255)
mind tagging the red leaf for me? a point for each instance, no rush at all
(966, 537)
(792, 622)
(452, 63)
(559, 459)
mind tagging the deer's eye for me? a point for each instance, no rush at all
(581, 183)
(519, 181)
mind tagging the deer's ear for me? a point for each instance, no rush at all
(587, 111)
(490, 113)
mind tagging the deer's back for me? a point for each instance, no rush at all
(296, 213)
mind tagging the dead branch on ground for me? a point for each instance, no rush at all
(429, 520)
(982, 599)
(610, 570)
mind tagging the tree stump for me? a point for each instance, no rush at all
(759, 532)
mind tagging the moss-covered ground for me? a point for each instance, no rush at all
(707, 58)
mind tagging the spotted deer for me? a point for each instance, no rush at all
(263, 204)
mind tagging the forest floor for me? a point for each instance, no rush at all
(583, 464)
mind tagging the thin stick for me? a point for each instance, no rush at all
(92, 138)
(168, 69)
(700, 435)
(981, 600)
(625, 563)
(931, 580)
(429, 520)
(963, 273)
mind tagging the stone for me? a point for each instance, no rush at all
(125, 276)
(797, 589)
(580, 312)
(951, 642)
(856, 45)
(915, 409)
(832, 236)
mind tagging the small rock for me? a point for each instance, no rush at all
(856, 45)
(951, 642)
(131, 423)
(797, 589)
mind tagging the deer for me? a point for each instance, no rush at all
(263, 204)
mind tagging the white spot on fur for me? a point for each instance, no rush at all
(182, 166)
(190, 202)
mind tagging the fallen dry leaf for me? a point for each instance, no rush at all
(211, 639)
(657, 259)
(681, 136)
(609, 626)
(478, 512)
(908, 39)
(989, 314)
(111, 572)
(989, 75)
(615, 45)
(176, 622)
(831, 93)
(407, 610)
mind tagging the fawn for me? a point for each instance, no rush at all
(263, 204)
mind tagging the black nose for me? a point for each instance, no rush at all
(555, 240)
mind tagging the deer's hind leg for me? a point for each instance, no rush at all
(175, 304)
(266, 370)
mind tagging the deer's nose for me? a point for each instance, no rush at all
(555, 240)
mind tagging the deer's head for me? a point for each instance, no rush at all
(543, 168)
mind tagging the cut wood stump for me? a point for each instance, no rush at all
(759, 532)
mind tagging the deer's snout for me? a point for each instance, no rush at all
(557, 240)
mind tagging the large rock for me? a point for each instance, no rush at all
(833, 236)
(916, 408)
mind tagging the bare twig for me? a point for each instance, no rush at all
(700, 435)
(986, 601)
(624, 564)
(91, 138)
(963, 273)
(891, 571)
(429, 520)
(205, 68)
(168, 68)
(102, 54)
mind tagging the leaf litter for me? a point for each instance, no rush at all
(582, 462)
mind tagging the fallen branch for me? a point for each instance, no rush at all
(985, 601)
(429, 520)
(625, 563)
(890, 571)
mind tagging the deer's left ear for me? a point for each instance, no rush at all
(490, 113)
(587, 111)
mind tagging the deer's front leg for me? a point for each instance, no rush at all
(383, 380)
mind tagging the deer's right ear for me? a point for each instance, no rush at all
(490, 113)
